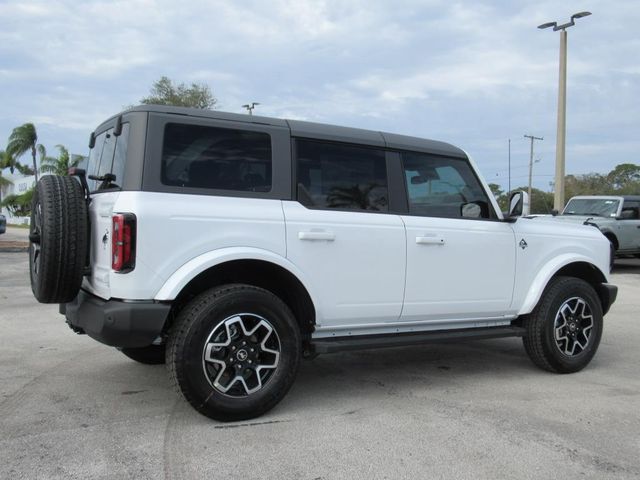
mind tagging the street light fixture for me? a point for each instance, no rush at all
(558, 197)
(250, 107)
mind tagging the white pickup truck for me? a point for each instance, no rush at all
(231, 246)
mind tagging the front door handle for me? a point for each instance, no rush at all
(315, 235)
(430, 240)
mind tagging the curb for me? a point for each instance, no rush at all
(13, 247)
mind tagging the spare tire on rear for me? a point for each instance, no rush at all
(58, 239)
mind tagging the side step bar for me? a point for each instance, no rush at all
(363, 342)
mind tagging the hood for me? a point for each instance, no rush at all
(572, 218)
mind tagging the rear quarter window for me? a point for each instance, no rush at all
(196, 156)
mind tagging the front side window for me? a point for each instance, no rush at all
(631, 210)
(198, 156)
(343, 177)
(443, 187)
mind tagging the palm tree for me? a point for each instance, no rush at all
(6, 161)
(23, 139)
(60, 165)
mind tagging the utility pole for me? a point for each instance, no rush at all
(250, 107)
(531, 162)
(509, 193)
(558, 197)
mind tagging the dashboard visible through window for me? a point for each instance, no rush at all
(441, 186)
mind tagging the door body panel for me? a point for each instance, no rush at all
(354, 260)
(458, 269)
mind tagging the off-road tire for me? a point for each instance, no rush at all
(539, 341)
(57, 239)
(151, 355)
(188, 337)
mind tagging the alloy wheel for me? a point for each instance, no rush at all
(241, 354)
(573, 326)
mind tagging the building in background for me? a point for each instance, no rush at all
(20, 185)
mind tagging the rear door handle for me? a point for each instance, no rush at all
(430, 240)
(317, 235)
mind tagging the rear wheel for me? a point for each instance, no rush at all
(151, 355)
(564, 330)
(234, 352)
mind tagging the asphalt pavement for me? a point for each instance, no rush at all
(72, 408)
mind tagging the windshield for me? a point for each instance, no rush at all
(600, 207)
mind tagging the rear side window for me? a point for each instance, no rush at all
(108, 155)
(217, 158)
(441, 187)
(631, 209)
(339, 176)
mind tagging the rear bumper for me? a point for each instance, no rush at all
(115, 322)
(608, 294)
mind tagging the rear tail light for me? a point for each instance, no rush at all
(123, 242)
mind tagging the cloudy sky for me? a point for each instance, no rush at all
(471, 73)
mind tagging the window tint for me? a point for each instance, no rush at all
(440, 186)
(106, 159)
(341, 176)
(94, 159)
(108, 155)
(218, 158)
(632, 209)
(120, 155)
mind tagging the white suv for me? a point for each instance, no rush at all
(231, 246)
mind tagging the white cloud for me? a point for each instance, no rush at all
(473, 73)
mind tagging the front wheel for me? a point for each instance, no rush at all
(234, 352)
(564, 330)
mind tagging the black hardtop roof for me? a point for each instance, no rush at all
(319, 131)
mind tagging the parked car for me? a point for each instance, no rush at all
(231, 246)
(617, 217)
(3, 223)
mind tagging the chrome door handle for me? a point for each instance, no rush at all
(430, 240)
(317, 235)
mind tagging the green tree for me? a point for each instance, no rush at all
(19, 205)
(6, 161)
(501, 196)
(60, 165)
(626, 176)
(165, 92)
(23, 139)
(4, 182)
(540, 202)
(587, 184)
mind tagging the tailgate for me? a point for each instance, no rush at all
(100, 212)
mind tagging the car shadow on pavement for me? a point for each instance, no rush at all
(626, 265)
(368, 376)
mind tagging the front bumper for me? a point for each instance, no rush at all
(116, 323)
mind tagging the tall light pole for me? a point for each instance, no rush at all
(558, 197)
(250, 107)
(531, 162)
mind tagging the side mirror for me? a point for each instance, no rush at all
(554, 212)
(518, 204)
